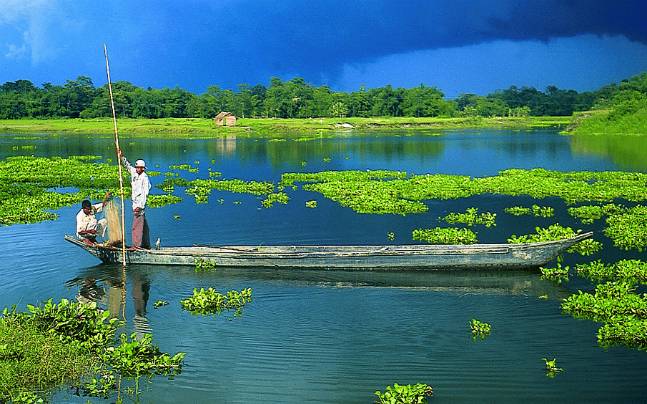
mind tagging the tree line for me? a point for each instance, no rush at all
(293, 98)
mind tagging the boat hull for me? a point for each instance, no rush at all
(396, 257)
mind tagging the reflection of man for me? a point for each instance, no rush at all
(87, 225)
(141, 186)
(141, 290)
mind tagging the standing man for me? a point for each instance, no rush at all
(141, 186)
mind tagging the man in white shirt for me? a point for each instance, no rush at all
(141, 186)
(87, 225)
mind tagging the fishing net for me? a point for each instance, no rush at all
(113, 216)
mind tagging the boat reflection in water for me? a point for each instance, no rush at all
(104, 285)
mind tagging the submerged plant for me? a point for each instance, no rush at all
(445, 235)
(471, 217)
(404, 394)
(210, 301)
(479, 328)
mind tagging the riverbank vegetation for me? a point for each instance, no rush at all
(72, 344)
(619, 109)
(272, 128)
(293, 98)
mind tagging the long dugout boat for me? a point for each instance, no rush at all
(378, 258)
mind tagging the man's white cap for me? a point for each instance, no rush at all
(140, 163)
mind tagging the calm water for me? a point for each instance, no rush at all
(319, 336)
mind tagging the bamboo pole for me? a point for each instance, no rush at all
(121, 180)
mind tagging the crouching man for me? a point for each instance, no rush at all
(87, 225)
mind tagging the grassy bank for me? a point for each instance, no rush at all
(603, 122)
(265, 127)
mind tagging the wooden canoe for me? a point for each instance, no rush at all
(387, 257)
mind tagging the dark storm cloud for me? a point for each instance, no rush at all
(253, 39)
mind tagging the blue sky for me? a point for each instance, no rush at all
(458, 46)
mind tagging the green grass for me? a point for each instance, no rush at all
(264, 127)
(602, 122)
(37, 361)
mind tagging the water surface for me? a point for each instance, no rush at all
(321, 336)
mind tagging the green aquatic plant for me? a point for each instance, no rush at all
(213, 174)
(135, 357)
(210, 301)
(177, 217)
(394, 192)
(634, 271)
(518, 211)
(535, 210)
(542, 211)
(327, 159)
(69, 342)
(551, 367)
(276, 197)
(630, 332)
(311, 204)
(471, 217)
(184, 167)
(610, 300)
(390, 236)
(588, 214)
(204, 265)
(628, 228)
(157, 201)
(446, 235)
(160, 303)
(201, 189)
(404, 394)
(479, 328)
(557, 232)
(557, 274)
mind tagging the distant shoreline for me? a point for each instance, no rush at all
(268, 127)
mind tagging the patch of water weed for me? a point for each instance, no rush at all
(160, 303)
(535, 210)
(404, 394)
(558, 274)
(472, 217)
(311, 204)
(394, 192)
(623, 311)
(588, 214)
(277, 197)
(83, 335)
(479, 329)
(445, 235)
(550, 365)
(210, 301)
(183, 167)
(390, 236)
(169, 184)
(201, 189)
(25, 180)
(634, 271)
(557, 232)
(156, 201)
(628, 228)
(204, 265)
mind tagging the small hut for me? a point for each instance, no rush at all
(225, 119)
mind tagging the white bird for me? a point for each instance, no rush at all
(157, 243)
